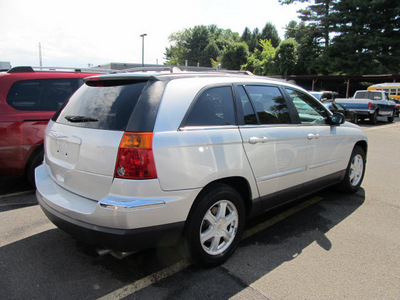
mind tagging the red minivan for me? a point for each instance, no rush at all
(28, 100)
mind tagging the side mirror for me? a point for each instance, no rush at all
(337, 119)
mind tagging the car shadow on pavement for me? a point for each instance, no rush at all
(16, 193)
(14, 185)
(53, 265)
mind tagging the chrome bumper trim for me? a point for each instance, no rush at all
(131, 205)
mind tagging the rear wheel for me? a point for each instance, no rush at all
(215, 226)
(391, 118)
(35, 162)
(354, 172)
(373, 118)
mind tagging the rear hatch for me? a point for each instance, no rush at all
(83, 138)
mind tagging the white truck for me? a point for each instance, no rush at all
(370, 105)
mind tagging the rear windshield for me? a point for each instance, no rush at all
(105, 106)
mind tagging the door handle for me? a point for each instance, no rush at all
(311, 136)
(255, 140)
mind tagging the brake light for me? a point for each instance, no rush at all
(369, 105)
(135, 157)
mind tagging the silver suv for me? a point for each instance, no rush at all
(139, 160)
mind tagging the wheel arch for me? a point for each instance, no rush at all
(30, 164)
(363, 145)
(240, 184)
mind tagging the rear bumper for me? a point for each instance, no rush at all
(111, 238)
(120, 222)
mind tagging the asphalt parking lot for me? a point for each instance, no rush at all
(327, 246)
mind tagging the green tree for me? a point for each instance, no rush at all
(270, 32)
(308, 49)
(286, 57)
(234, 56)
(198, 45)
(312, 35)
(368, 37)
(317, 16)
(261, 62)
(246, 35)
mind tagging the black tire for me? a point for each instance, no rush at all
(373, 118)
(35, 162)
(214, 226)
(391, 118)
(355, 171)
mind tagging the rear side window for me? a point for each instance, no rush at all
(102, 106)
(214, 107)
(41, 94)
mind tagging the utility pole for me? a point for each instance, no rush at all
(40, 55)
(142, 36)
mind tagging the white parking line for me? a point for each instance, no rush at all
(183, 264)
(146, 281)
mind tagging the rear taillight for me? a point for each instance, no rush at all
(135, 157)
(369, 105)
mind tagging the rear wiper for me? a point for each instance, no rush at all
(77, 119)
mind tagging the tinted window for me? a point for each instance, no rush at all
(377, 96)
(43, 94)
(102, 107)
(214, 107)
(310, 111)
(248, 110)
(269, 104)
(361, 95)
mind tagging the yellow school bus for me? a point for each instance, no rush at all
(391, 88)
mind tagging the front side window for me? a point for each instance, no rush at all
(309, 110)
(214, 107)
(41, 94)
(269, 104)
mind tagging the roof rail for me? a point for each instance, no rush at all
(179, 69)
(171, 69)
(29, 69)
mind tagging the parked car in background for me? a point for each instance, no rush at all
(28, 99)
(324, 95)
(370, 105)
(397, 106)
(140, 160)
(350, 115)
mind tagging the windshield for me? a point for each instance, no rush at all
(102, 107)
(317, 95)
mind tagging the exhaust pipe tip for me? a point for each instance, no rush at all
(116, 254)
(102, 252)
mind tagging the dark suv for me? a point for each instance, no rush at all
(28, 100)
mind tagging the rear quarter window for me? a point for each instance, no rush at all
(41, 94)
(214, 107)
(102, 106)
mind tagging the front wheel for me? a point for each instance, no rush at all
(354, 172)
(215, 226)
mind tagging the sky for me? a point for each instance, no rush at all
(78, 33)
